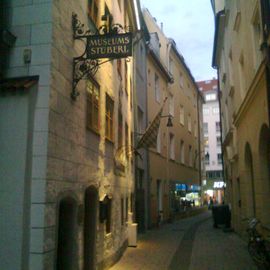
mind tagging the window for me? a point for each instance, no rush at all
(93, 96)
(189, 123)
(105, 213)
(172, 153)
(109, 118)
(171, 105)
(217, 126)
(157, 88)
(215, 110)
(93, 10)
(120, 128)
(182, 152)
(219, 157)
(206, 111)
(210, 97)
(218, 141)
(190, 155)
(206, 159)
(206, 141)
(181, 80)
(257, 33)
(205, 129)
(158, 142)
(182, 115)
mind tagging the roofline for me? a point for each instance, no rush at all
(216, 35)
(181, 58)
(162, 67)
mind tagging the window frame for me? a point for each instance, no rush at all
(109, 118)
(92, 107)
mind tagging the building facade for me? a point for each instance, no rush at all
(213, 185)
(241, 55)
(174, 161)
(67, 182)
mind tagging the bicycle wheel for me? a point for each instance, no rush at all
(258, 255)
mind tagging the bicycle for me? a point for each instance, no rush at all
(257, 246)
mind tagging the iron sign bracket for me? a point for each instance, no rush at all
(83, 67)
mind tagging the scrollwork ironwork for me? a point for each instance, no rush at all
(83, 67)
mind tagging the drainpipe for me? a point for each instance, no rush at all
(265, 47)
(221, 128)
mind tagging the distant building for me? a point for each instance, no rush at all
(241, 56)
(174, 162)
(213, 185)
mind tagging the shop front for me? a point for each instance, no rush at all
(185, 196)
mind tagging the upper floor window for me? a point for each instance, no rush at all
(205, 129)
(210, 97)
(157, 88)
(218, 127)
(93, 97)
(215, 110)
(206, 111)
(182, 152)
(181, 80)
(171, 105)
(172, 153)
(93, 10)
(109, 118)
(190, 155)
(182, 115)
(219, 157)
(218, 141)
(189, 123)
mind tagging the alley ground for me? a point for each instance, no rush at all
(187, 244)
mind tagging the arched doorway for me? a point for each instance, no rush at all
(249, 177)
(66, 244)
(90, 217)
(264, 154)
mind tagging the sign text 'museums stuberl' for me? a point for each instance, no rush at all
(109, 46)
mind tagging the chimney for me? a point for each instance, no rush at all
(161, 26)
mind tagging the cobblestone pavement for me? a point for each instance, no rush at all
(188, 244)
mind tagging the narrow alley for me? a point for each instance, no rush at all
(187, 244)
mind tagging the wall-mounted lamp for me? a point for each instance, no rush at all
(169, 123)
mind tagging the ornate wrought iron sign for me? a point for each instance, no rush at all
(111, 42)
(109, 46)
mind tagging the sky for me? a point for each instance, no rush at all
(191, 24)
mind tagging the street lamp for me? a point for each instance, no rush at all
(169, 123)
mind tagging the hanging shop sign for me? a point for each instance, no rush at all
(110, 41)
(109, 46)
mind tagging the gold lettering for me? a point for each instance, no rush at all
(109, 50)
(93, 42)
(121, 41)
(93, 51)
(127, 40)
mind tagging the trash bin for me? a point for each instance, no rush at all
(132, 234)
(221, 215)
